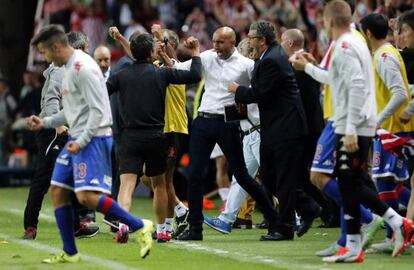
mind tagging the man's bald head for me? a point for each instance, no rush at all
(102, 56)
(295, 36)
(226, 32)
(339, 12)
(224, 42)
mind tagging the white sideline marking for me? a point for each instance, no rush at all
(90, 259)
(238, 256)
(242, 257)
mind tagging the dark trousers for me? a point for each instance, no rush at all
(351, 169)
(41, 181)
(280, 174)
(308, 197)
(205, 134)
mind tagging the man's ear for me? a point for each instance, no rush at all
(55, 47)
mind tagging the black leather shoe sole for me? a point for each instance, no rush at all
(190, 236)
(275, 236)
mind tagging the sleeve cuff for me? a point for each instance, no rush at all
(350, 130)
(309, 68)
(47, 121)
(82, 142)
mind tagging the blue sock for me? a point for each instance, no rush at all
(342, 240)
(332, 190)
(64, 221)
(366, 215)
(403, 194)
(388, 195)
(107, 206)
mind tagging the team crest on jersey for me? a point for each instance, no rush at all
(77, 65)
(345, 45)
(384, 56)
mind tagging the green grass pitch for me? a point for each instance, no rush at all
(239, 250)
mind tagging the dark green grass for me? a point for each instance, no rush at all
(240, 250)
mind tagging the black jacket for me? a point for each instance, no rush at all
(310, 92)
(408, 57)
(124, 62)
(142, 87)
(274, 88)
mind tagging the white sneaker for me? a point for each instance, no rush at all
(384, 247)
(369, 231)
(345, 255)
(402, 237)
(329, 251)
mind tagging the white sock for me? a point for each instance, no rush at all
(393, 219)
(353, 242)
(224, 193)
(180, 209)
(169, 224)
(160, 228)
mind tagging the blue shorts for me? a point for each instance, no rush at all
(386, 164)
(324, 159)
(89, 170)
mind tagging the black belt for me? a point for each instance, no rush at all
(253, 129)
(211, 115)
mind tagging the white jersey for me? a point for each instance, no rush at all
(85, 100)
(351, 76)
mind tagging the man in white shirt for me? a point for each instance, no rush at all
(221, 66)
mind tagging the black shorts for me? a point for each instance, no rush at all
(140, 147)
(175, 147)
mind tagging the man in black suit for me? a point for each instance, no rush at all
(292, 42)
(283, 122)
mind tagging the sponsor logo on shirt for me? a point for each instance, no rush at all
(77, 65)
(94, 181)
(62, 161)
(107, 180)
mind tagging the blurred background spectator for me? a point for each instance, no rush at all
(23, 67)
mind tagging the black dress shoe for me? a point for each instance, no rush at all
(190, 236)
(276, 236)
(263, 225)
(242, 224)
(304, 227)
(306, 223)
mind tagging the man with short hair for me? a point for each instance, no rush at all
(102, 56)
(84, 164)
(79, 41)
(282, 120)
(352, 80)
(392, 97)
(307, 207)
(143, 110)
(407, 32)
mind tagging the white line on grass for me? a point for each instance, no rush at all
(238, 256)
(90, 259)
(242, 257)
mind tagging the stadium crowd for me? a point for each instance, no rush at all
(308, 105)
